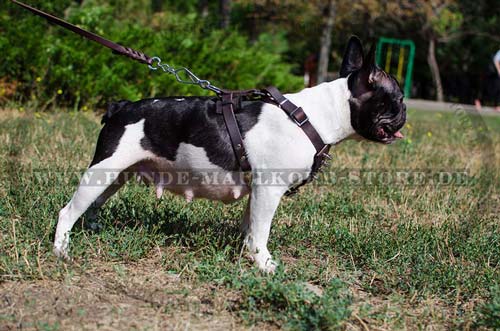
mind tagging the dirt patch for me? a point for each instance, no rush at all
(117, 296)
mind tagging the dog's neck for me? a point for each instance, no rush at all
(327, 106)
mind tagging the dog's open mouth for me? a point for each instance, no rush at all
(386, 137)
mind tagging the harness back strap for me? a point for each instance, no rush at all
(117, 48)
(234, 131)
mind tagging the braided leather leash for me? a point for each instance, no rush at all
(117, 48)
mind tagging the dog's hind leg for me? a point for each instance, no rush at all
(95, 184)
(92, 212)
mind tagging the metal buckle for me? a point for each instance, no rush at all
(282, 102)
(296, 120)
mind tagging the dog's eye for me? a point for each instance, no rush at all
(381, 104)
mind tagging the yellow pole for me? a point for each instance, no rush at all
(388, 59)
(400, 63)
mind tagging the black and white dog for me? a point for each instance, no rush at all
(171, 134)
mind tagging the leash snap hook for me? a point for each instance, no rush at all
(153, 65)
(204, 84)
(183, 75)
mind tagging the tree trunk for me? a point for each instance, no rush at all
(326, 43)
(225, 13)
(433, 65)
(203, 8)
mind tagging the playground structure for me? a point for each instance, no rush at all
(401, 66)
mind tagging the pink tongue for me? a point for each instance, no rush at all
(399, 135)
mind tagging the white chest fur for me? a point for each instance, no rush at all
(276, 142)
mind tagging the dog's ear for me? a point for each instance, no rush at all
(370, 72)
(353, 57)
(370, 60)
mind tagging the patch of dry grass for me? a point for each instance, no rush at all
(411, 256)
(117, 296)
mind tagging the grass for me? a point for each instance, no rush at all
(367, 250)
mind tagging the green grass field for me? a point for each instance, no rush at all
(355, 254)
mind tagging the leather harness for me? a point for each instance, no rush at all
(231, 99)
(226, 104)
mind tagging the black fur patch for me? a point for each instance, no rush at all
(113, 108)
(171, 121)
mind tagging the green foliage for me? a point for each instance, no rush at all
(490, 311)
(57, 67)
(264, 45)
(292, 304)
(447, 21)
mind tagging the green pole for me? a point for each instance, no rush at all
(411, 58)
(409, 69)
(378, 52)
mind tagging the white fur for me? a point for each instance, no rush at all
(128, 152)
(275, 142)
(195, 159)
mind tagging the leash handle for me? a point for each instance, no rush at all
(117, 48)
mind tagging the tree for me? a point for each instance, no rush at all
(440, 20)
(225, 13)
(203, 8)
(326, 42)
(437, 19)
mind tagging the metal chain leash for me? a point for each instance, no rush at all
(192, 79)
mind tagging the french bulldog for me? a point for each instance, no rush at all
(159, 138)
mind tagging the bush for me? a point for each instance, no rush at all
(53, 66)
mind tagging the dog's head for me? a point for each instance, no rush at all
(377, 108)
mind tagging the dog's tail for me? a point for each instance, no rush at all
(113, 108)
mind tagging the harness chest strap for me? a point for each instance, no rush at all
(298, 115)
(300, 118)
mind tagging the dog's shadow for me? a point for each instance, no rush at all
(178, 221)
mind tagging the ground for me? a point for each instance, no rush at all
(391, 237)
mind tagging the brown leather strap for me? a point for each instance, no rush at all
(297, 115)
(232, 99)
(234, 131)
(245, 94)
(118, 49)
(300, 118)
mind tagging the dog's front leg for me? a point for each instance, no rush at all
(263, 203)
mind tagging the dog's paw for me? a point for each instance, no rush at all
(269, 267)
(265, 262)
(61, 252)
